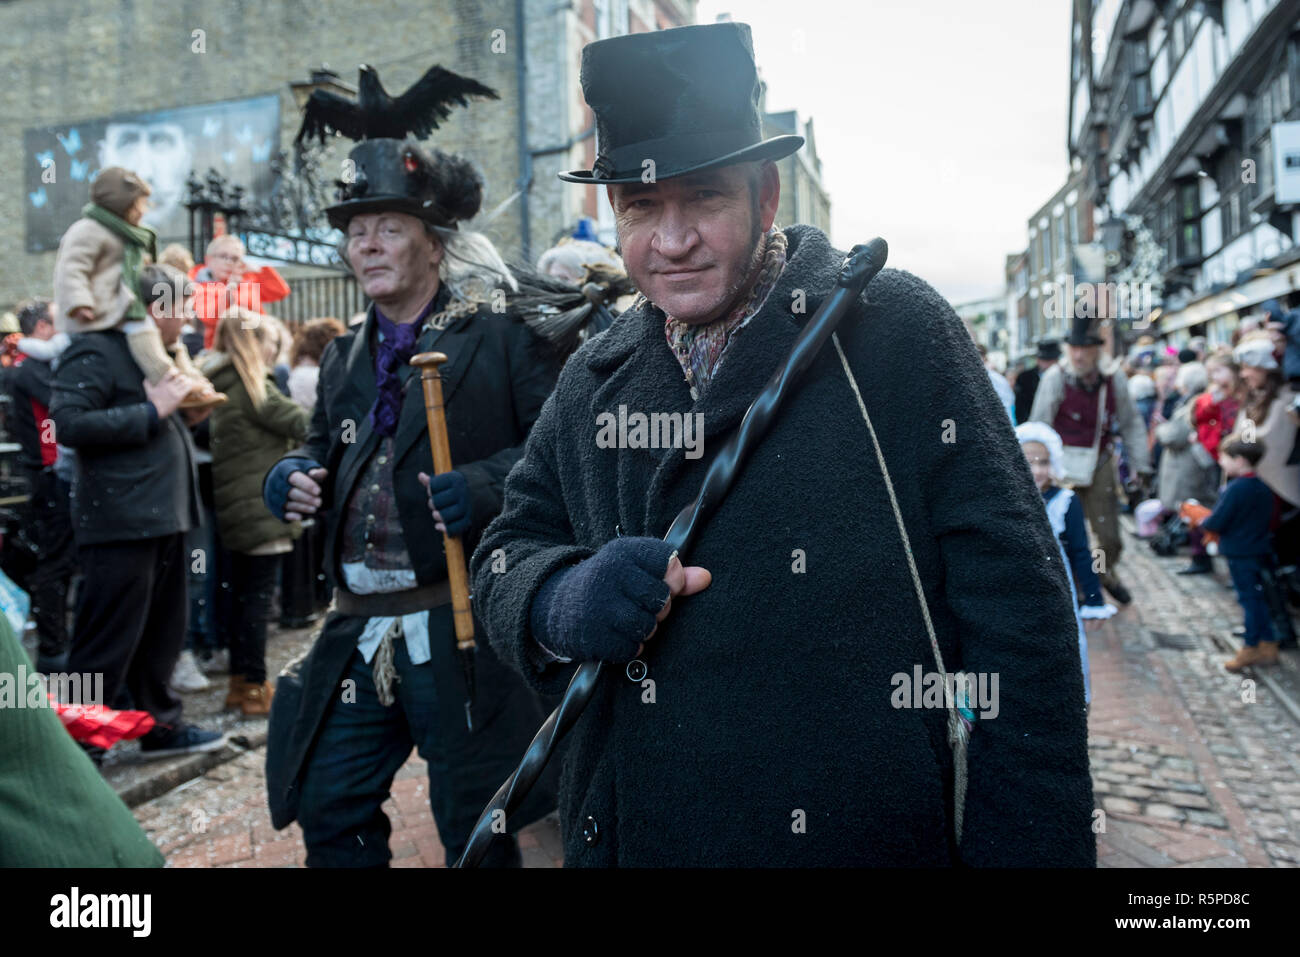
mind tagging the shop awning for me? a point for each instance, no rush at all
(1275, 285)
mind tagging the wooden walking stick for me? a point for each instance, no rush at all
(458, 576)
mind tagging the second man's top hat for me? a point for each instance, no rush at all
(686, 99)
(1084, 332)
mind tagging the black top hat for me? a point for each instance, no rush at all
(1049, 349)
(1083, 332)
(685, 98)
(401, 176)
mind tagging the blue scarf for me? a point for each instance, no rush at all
(392, 353)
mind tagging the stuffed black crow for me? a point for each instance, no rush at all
(374, 114)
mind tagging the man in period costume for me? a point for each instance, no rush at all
(767, 715)
(1068, 399)
(383, 676)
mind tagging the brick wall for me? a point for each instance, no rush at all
(72, 60)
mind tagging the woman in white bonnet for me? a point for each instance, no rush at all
(1042, 447)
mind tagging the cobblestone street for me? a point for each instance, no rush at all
(1192, 766)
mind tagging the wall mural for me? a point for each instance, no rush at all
(236, 137)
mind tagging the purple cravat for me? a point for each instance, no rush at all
(396, 346)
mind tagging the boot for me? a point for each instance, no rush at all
(202, 395)
(1117, 590)
(1265, 653)
(257, 700)
(1200, 565)
(235, 696)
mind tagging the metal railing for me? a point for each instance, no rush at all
(315, 296)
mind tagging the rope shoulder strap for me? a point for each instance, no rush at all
(958, 727)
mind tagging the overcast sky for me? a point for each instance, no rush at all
(941, 124)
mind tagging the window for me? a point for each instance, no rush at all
(1189, 221)
(1059, 230)
(1271, 104)
(1230, 193)
(1166, 232)
(1139, 60)
(1074, 226)
(1139, 96)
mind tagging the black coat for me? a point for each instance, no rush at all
(135, 475)
(1026, 388)
(29, 386)
(772, 688)
(497, 376)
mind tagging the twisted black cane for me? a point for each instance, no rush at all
(859, 268)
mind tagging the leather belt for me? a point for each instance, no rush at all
(393, 604)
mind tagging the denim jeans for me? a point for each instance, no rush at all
(1245, 574)
(200, 549)
(349, 772)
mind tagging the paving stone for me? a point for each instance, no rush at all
(1163, 812)
(1128, 767)
(1137, 793)
(1207, 818)
(1120, 805)
(1185, 800)
(1195, 849)
(1286, 852)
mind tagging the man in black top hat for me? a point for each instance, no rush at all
(769, 717)
(1085, 399)
(383, 676)
(1049, 351)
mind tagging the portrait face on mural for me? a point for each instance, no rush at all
(159, 153)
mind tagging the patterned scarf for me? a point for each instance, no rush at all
(393, 353)
(700, 348)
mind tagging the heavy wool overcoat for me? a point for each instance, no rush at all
(496, 378)
(769, 734)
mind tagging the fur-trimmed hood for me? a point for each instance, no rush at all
(44, 350)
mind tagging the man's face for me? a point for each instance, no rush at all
(391, 253)
(226, 260)
(689, 242)
(44, 328)
(1084, 358)
(158, 153)
(169, 319)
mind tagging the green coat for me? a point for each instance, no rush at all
(246, 442)
(55, 809)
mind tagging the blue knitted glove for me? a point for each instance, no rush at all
(275, 486)
(449, 494)
(604, 607)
